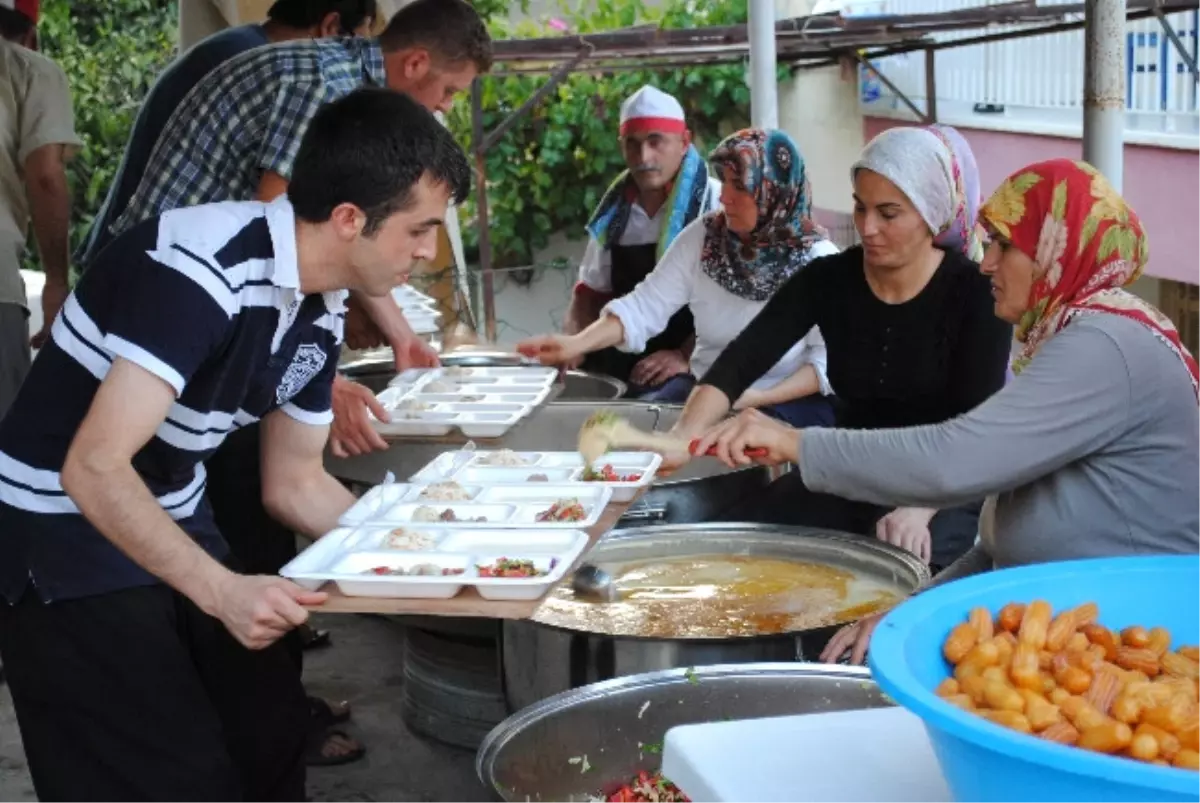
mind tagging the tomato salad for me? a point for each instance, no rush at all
(515, 568)
(608, 474)
(650, 787)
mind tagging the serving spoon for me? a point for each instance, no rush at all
(595, 583)
(606, 431)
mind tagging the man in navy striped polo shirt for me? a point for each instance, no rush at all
(142, 665)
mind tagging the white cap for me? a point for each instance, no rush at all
(10, 4)
(651, 109)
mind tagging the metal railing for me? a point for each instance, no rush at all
(1043, 75)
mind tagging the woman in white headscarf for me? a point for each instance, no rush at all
(910, 336)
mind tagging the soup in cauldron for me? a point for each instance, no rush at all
(719, 596)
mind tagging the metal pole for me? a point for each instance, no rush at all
(1104, 88)
(764, 100)
(931, 114)
(481, 212)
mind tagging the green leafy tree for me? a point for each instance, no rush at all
(111, 51)
(549, 171)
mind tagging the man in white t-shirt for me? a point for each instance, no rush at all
(666, 186)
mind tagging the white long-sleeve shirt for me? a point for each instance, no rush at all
(719, 314)
(595, 270)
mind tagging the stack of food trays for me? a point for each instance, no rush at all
(420, 310)
(515, 473)
(430, 540)
(483, 402)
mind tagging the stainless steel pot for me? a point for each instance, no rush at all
(539, 660)
(376, 370)
(699, 492)
(619, 723)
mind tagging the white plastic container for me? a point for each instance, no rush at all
(520, 588)
(480, 402)
(552, 465)
(347, 557)
(516, 506)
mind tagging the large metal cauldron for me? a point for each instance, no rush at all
(377, 370)
(540, 660)
(529, 756)
(699, 492)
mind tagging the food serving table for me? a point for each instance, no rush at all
(467, 603)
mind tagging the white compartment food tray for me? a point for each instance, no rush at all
(479, 402)
(501, 377)
(478, 471)
(406, 294)
(395, 505)
(344, 554)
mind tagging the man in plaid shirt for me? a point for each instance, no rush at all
(235, 135)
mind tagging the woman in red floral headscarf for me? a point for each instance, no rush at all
(1091, 451)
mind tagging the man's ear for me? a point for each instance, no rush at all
(331, 25)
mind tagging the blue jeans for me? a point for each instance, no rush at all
(674, 391)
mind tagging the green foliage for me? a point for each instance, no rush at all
(111, 51)
(549, 171)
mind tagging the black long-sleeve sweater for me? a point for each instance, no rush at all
(924, 361)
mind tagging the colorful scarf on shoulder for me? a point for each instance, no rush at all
(688, 200)
(768, 165)
(1087, 243)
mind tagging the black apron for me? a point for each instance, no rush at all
(631, 264)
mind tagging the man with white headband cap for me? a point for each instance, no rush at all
(666, 187)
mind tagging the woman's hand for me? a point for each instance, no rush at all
(749, 400)
(655, 369)
(751, 430)
(559, 350)
(855, 638)
(908, 528)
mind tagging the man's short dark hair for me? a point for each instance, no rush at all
(371, 148)
(14, 25)
(307, 13)
(451, 30)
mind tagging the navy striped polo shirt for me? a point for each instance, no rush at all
(206, 298)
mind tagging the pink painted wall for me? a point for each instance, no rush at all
(1162, 184)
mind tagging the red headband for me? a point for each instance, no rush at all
(663, 125)
(29, 8)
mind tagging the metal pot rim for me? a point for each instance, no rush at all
(859, 543)
(498, 736)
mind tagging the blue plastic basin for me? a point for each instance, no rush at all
(983, 761)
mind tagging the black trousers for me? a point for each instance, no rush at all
(788, 501)
(139, 695)
(259, 544)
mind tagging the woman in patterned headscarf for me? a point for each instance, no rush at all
(1091, 451)
(725, 266)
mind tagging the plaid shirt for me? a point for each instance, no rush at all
(247, 117)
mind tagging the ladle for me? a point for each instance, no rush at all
(594, 583)
(605, 431)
